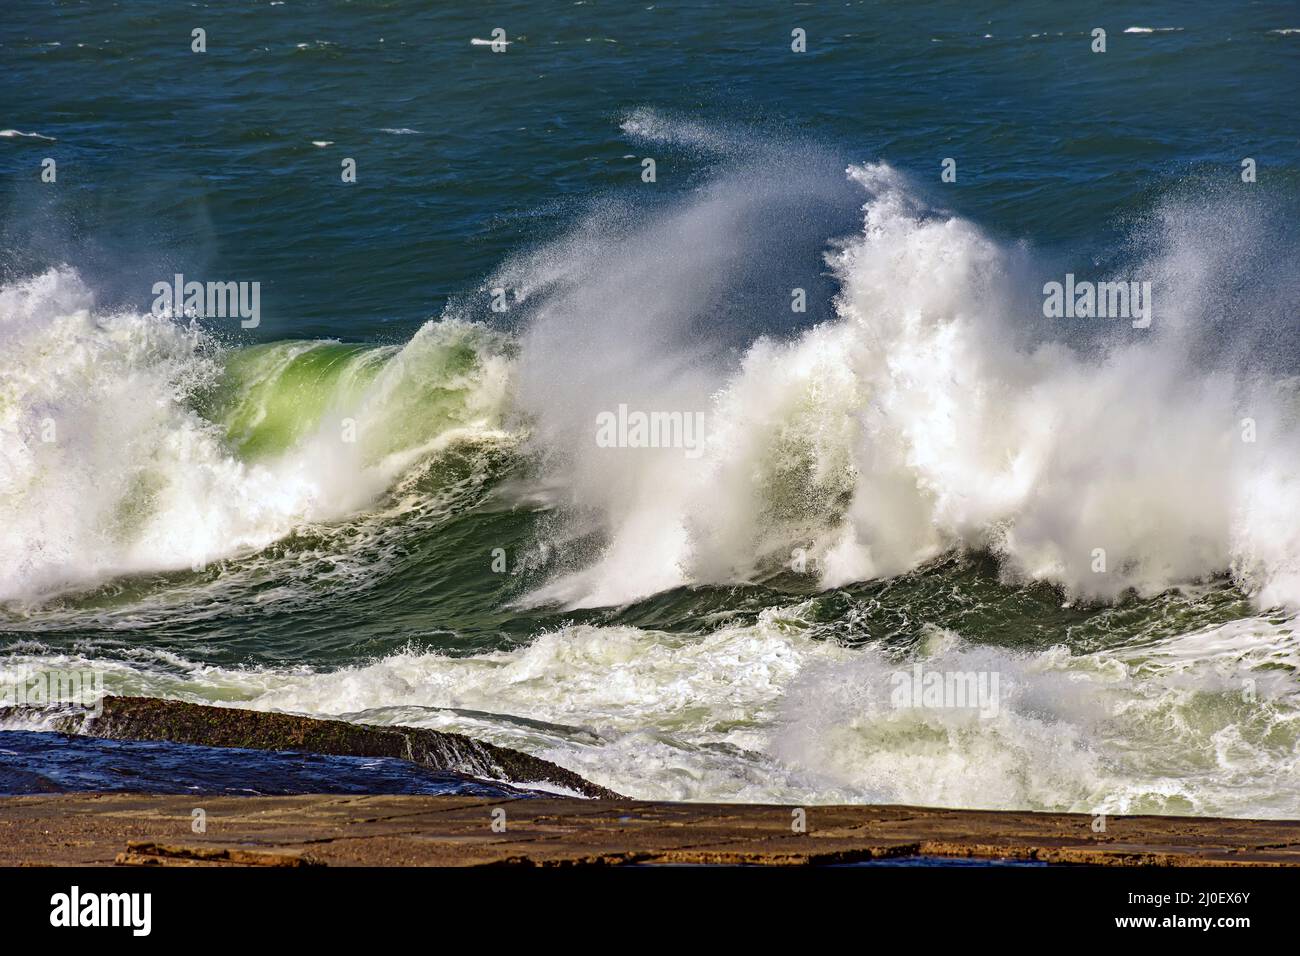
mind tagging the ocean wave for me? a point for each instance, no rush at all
(1205, 722)
(130, 442)
(920, 417)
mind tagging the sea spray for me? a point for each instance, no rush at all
(126, 445)
(921, 418)
(917, 420)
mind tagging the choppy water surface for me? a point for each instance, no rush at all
(387, 502)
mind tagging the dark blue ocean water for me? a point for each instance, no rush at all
(203, 163)
(32, 763)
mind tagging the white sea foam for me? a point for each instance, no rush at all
(106, 468)
(1206, 722)
(918, 420)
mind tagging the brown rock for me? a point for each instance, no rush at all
(151, 718)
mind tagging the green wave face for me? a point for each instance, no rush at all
(271, 398)
(450, 376)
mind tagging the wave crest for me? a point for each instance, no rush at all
(130, 442)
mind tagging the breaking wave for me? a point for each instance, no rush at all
(130, 442)
(922, 414)
(921, 406)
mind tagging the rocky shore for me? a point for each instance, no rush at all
(151, 718)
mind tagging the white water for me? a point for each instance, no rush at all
(929, 414)
(932, 411)
(770, 712)
(922, 417)
(106, 469)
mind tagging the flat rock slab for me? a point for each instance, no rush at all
(93, 829)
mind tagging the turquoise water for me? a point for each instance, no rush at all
(388, 501)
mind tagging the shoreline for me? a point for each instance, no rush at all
(596, 826)
(312, 830)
